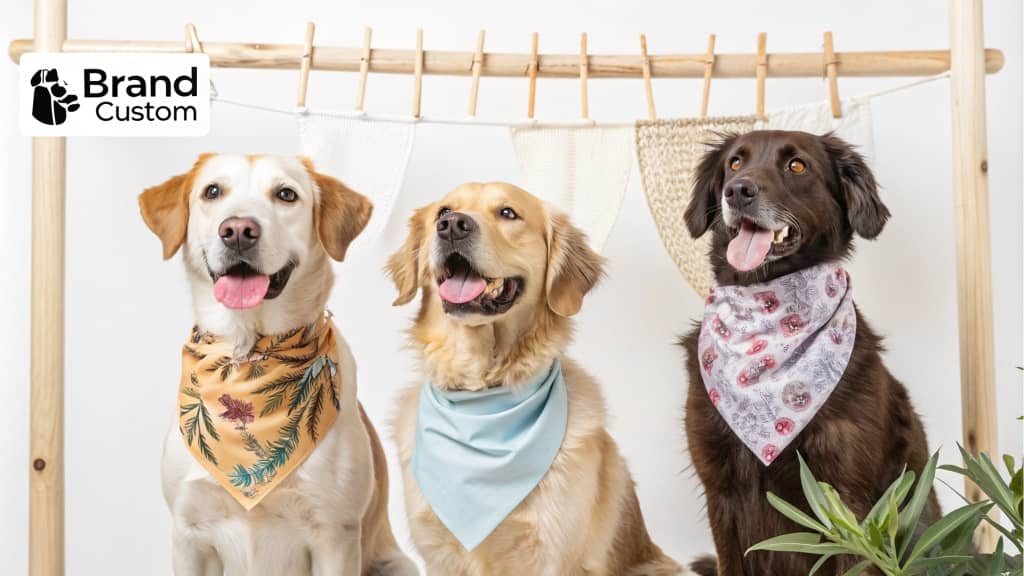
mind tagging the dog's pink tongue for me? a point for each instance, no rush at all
(462, 287)
(241, 292)
(750, 247)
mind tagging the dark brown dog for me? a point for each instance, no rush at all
(867, 431)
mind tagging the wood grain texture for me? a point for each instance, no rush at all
(973, 250)
(46, 437)
(448, 63)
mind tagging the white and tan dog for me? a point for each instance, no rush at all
(501, 274)
(276, 223)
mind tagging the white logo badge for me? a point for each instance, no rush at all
(105, 94)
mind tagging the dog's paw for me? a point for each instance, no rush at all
(51, 99)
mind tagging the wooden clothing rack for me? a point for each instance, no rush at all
(966, 60)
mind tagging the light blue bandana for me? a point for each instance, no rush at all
(479, 454)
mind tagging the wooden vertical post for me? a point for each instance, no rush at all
(584, 74)
(534, 65)
(478, 63)
(364, 68)
(306, 64)
(973, 250)
(646, 65)
(417, 87)
(761, 72)
(46, 445)
(709, 66)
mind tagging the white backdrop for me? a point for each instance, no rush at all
(127, 311)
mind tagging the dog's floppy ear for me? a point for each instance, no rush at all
(573, 267)
(857, 188)
(341, 214)
(165, 208)
(404, 265)
(707, 186)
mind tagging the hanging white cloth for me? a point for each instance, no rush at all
(582, 170)
(369, 156)
(855, 125)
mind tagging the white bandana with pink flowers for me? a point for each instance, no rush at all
(772, 353)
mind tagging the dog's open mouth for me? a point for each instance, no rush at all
(242, 287)
(463, 289)
(752, 244)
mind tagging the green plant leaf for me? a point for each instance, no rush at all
(937, 562)
(812, 492)
(998, 560)
(821, 562)
(938, 531)
(858, 568)
(800, 542)
(900, 486)
(794, 513)
(911, 514)
(839, 513)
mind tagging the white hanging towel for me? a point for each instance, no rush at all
(855, 125)
(582, 170)
(369, 156)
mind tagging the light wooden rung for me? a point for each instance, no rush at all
(438, 62)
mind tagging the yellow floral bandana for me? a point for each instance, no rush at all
(251, 422)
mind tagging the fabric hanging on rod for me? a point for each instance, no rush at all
(668, 152)
(855, 125)
(369, 156)
(582, 170)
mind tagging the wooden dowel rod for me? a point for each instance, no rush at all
(437, 62)
(46, 419)
(761, 72)
(478, 61)
(364, 68)
(307, 62)
(833, 81)
(709, 67)
(417, 87)
(584, 75)
(532, 71)
(651, 114)
(973, 250)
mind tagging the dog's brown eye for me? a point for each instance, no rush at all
(797, 166)
(735, 164)
(212, 192)
(444, 210)
(287, 195)
(508, 213)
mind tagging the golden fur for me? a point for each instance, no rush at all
(583, 517)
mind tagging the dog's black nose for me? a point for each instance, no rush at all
(455, 226)
(740, 192)
(239, 233)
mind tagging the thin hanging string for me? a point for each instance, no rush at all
(394, 118)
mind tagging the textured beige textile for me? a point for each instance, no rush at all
(668, 152)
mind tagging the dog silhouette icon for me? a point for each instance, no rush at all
(51, 99)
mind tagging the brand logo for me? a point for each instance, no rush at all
(115, 94)
(51, 100)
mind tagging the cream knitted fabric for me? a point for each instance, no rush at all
(582, 170)
(370, 156)
(668, 152)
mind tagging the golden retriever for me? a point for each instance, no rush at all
(330, 515)
(523, 270)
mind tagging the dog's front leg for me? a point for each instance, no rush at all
(189, 558)
(339, 553)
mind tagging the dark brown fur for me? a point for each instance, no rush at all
(868, 430)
